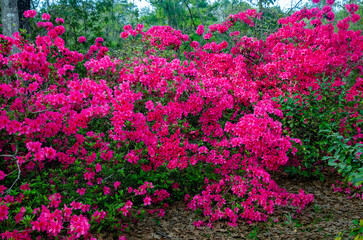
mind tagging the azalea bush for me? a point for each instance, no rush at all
(90, 140)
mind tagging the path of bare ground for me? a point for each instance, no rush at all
(330, 214)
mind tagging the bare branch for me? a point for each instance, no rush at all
(18, 165)
(162, 234)
(292, 8)
(7, 155)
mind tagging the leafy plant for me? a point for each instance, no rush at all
(347, 159)
(308, 116)
(356, 230)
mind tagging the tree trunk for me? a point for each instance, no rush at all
(23, 5)
(260, 6)
(9, 17)
(190, 13)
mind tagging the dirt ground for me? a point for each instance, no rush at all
(329, 214)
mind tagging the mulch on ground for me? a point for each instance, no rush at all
(329, 214)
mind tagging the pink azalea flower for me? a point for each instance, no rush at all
(79, 225)
(46, 16)
(106, 190)
(354, 18)
(99, 180)
(99, 39)
(2, 189)
(116, 184)
(124, 35)
(127, 28)
(81, 191)
(3, 211)
(98, 167)
(59, 20)
(200, 30)
(147, 201)
(82, 39)
(30, 14)
(2, 175)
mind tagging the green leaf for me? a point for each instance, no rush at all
(358, 181)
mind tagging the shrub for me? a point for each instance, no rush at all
(90, 142)
(346, 158)
(313, 116)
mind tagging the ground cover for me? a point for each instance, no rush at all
(330, 215)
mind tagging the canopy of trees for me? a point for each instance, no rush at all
(106, 18)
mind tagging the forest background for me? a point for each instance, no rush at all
(106, 18)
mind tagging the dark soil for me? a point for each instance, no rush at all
(329, 214)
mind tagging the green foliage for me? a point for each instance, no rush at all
(342, 13)
(346, 158)
(306, 116)
(43, 184)
(91, 19)
(356, 231)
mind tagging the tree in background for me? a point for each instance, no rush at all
(92, 18)
(341, 13)
(223, 8)
(9, 17)
(186, 15)
(106, 18)
(16, 19)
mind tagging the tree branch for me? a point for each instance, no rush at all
(17, 163)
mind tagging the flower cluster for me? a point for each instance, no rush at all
(165, 36)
